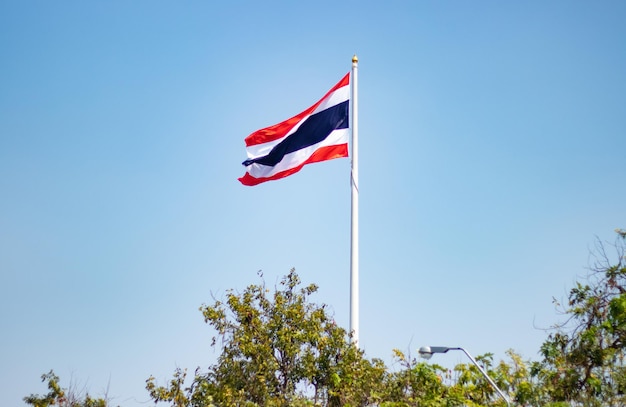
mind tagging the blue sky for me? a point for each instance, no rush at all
(492, 144)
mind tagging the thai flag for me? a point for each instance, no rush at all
(319, 133)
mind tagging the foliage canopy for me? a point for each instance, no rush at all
(61, 397)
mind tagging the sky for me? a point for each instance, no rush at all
(492, 139)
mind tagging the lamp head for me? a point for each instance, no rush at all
(425, 352)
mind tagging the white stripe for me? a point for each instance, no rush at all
(338, 96)
(291, 160)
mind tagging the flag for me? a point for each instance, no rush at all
(317, 134)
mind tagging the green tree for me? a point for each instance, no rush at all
(583, 358)
(61, 397)
(473, 386)
(277, 349)
(415, 384)
(521, 380)
(465, 385)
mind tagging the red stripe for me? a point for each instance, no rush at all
(279, 130)
(321, 154)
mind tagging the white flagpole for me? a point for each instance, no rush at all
(354, 182)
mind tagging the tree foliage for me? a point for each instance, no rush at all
(61, 397)
(276, 349)
(583, 358)
(414, 384)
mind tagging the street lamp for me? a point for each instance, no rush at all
(427, 352)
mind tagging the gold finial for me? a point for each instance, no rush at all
(355, 59)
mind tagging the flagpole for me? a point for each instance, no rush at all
(354, 182)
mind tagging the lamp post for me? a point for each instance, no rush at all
(427, 352)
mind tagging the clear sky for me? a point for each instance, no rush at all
(492, 153)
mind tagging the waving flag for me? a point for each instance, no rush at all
(319, 133)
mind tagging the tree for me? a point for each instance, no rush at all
(415, 384)
(583, 358)
(58, 396)
(276, 350)
(521, 380)
(517, 379)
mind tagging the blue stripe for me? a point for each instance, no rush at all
(313, 130)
